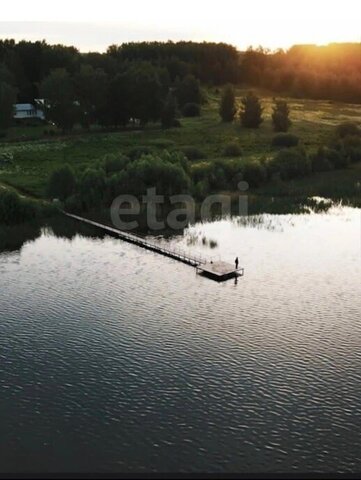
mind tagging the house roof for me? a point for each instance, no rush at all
(24, 106)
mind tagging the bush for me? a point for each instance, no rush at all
(254, 173)
(169, 112)
(230, 171)
(191, 110)
(14, 209)
(227, 107)
(285, 140)
(320, 163)
(73, 204)
(188, 90)
(91, 188)
(201, 189)
(163, 171)
(200, 171)
(6, 158)
(114, 163)
(218, 174)
(280, 116)
(353, 154)
(193, 153)
(290, 163)
(232, 150)
(347, 128)
(61, 183)
(351, 146)
(251, 113)
(338, 158)
(137, 152)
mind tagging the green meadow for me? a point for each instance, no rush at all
(28, 155)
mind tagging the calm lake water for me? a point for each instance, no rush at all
(117, 359)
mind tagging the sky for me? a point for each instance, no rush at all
(93, 26)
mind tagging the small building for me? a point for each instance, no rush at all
(27, 111)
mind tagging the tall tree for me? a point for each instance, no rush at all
(281, 116)
(61, 183)
(227, 108)
(251, 112)
(188, 90)
(145, 92)
(7, 101)
(58, 91)
(90, 88)
(169, 111)
(117, 105)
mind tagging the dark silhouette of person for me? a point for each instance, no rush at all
(236, 262)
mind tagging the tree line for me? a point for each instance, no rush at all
(133, 70)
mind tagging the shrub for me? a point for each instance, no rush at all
(91, 187)
(232, 150)
(280, 116)
(290, 163)
(14, 209)
(232, 171)
(320, 163)
(251, 113)
(114, 163)
(163, 171)
(6, 158)
(285, 140)
(193, 153)
(61, 183)
(351, 146)
(328, 158)
(200, 171)
(227, 108)
(338, 158)
(137, 152)
(217, 178)
(191, 110)
(169, 112)
(254, 173)
(347, 128)
(188, 90)
(201, 189)
(73, 204)
(353, 154)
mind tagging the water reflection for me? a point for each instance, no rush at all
(115, 359)
(13, 238)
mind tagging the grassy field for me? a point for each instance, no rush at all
(313, 121)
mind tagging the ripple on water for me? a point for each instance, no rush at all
(116, 359)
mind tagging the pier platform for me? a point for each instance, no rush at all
(219, 270)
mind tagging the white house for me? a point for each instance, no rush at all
(25, 111)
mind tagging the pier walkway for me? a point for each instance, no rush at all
(209, 266)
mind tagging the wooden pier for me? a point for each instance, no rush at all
(219, 270)
(214, 269)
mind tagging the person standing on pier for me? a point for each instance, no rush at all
(236, 262)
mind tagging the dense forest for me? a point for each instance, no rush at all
(146, 81)
(332, 71)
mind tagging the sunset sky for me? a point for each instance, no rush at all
(95, 25)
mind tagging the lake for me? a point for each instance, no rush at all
(115, 359)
